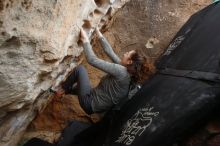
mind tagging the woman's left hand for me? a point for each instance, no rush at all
(98, 32)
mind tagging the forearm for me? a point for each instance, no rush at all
(114, 69)
(90, 55)
(108, 50)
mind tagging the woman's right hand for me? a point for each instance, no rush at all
(98, 32)
(83, 36)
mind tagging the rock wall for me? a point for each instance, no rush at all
(141, 24)
(38, 47)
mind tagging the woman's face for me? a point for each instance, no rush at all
(126, 58)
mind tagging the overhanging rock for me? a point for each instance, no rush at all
(38, 43)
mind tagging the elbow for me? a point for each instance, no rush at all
(91, 61)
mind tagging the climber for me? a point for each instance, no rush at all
(114, 86)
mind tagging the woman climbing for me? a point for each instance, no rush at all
(113, 87)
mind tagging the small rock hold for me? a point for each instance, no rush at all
(17, 18)
(49, 57)
(112, 1)
(151, 42)
(7, 5)
(3, 33)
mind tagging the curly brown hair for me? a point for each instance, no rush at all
(140, 69)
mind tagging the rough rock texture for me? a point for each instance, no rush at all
(38, 44)
(145, 24)
(38, 47)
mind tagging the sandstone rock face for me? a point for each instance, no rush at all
(38, 44)
(38, 47)
(145, 24)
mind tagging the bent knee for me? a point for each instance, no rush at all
(80, 67)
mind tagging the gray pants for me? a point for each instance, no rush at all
(82, 89)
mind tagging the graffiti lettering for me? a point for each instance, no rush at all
(137, 124)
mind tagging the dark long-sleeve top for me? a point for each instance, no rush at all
(114, 86)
